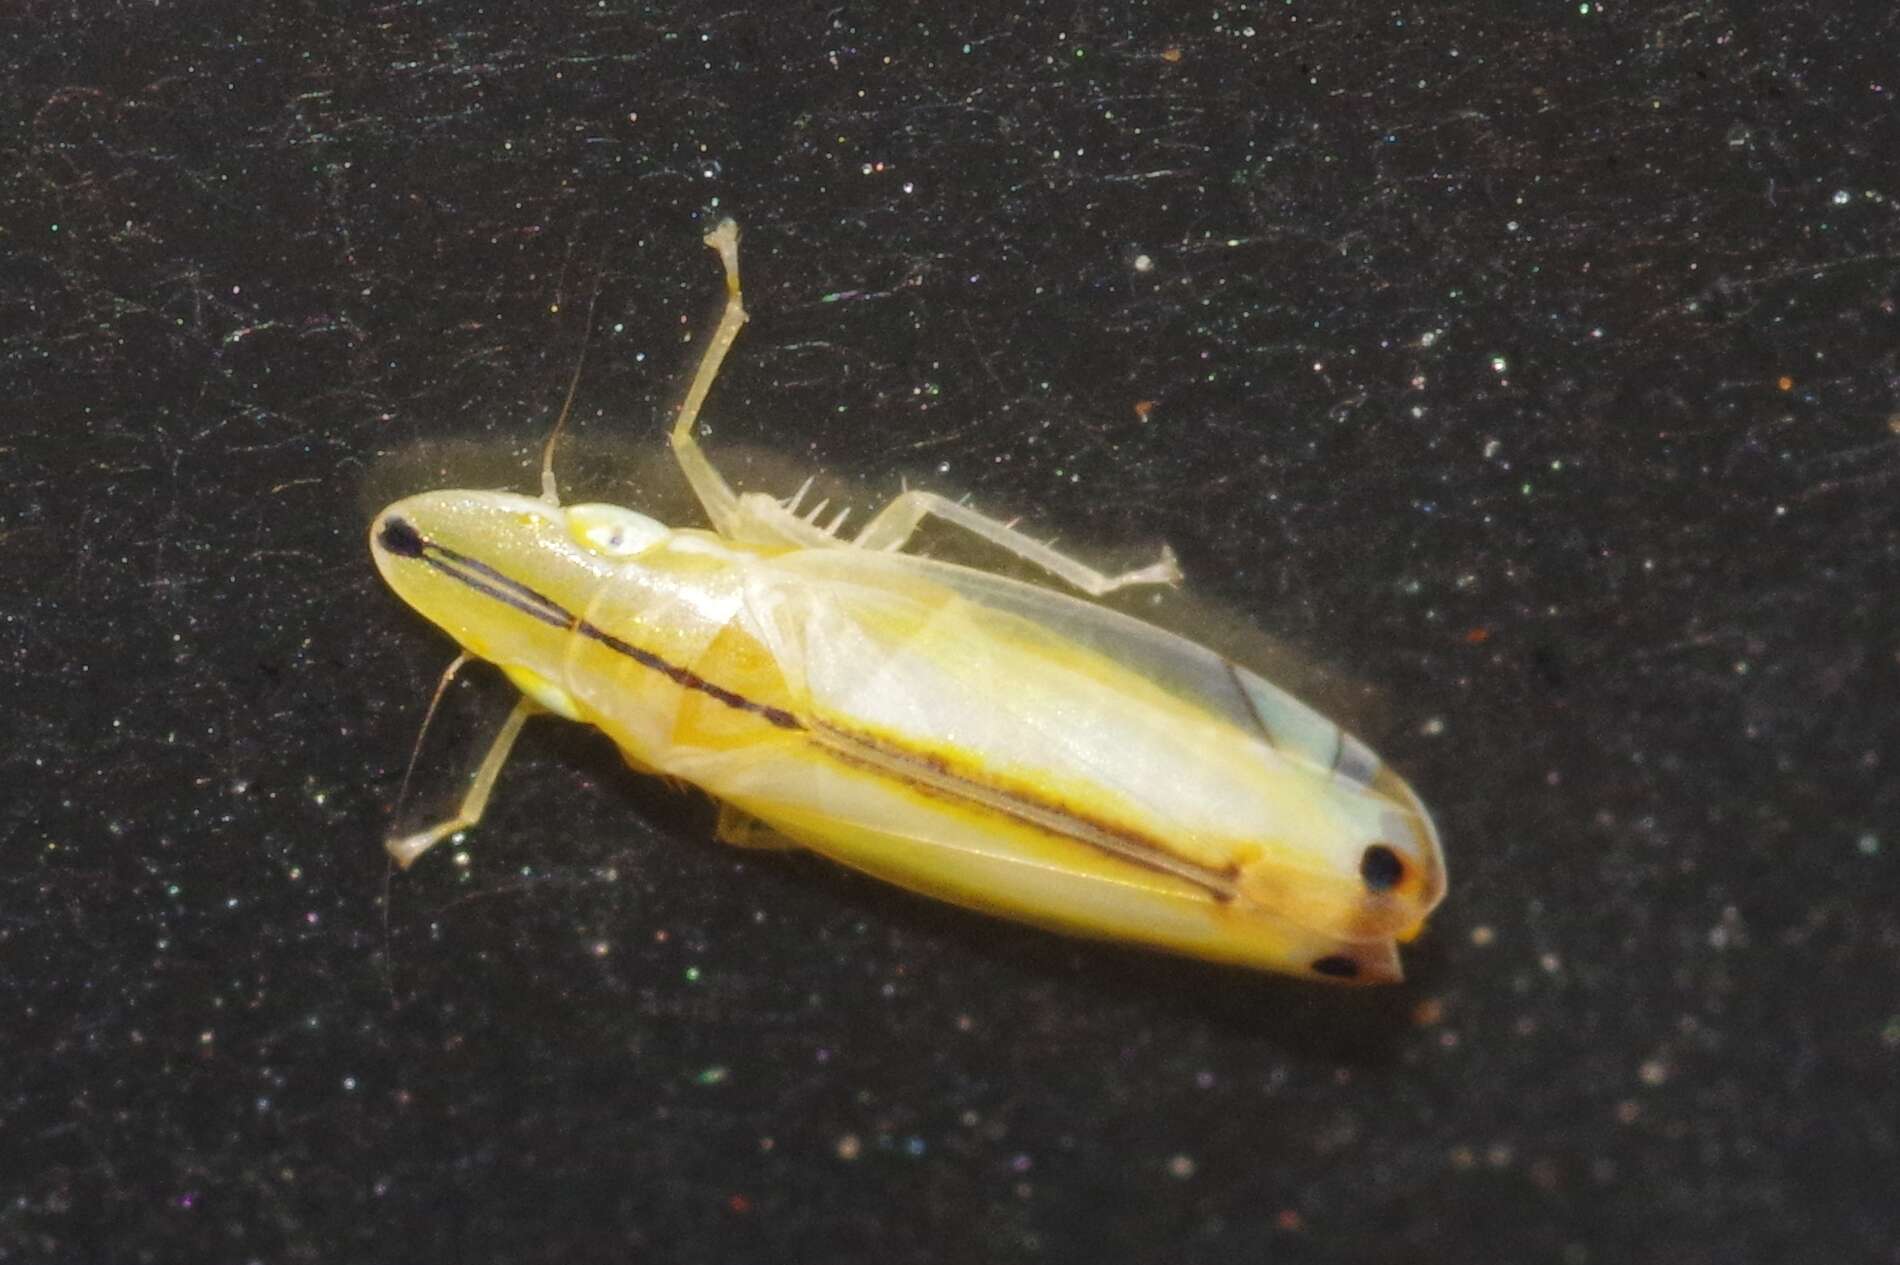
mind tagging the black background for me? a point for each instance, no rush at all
(1536, 367)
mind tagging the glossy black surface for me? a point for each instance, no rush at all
(1536, 367)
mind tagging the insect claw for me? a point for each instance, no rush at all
(1164, 570)
(1168, 567)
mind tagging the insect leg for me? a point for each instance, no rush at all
(722, 505)
(743, 830)
(896, 521)
(407, 847)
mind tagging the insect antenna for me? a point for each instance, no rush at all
(415, 753)
(548, 492)
(402, 799)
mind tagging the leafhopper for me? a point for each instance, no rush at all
(1006, 746)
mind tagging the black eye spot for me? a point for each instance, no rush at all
(1339, 966)
(399, 538)
(1381, 868)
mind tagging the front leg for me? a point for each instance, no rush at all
(405, 848)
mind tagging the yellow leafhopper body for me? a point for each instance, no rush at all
(999, 744)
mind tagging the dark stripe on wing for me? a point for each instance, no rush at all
(930, 773)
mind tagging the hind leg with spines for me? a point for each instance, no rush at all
(896, 522)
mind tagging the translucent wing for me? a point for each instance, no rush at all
(1122, 735)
